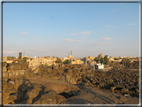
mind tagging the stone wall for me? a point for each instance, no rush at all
(14, 69)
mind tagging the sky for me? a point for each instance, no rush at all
(54, 29)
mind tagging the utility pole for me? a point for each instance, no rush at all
(68, 54)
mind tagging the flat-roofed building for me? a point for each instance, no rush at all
(75, 61)
(4, 59)
(111, 59)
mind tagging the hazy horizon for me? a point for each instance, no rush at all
(54, 29)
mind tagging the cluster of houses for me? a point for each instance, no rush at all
(47, 60)
(89, 60)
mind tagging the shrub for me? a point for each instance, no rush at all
(58, 60)
(116, 58)
(96, 59)
(66, 62)
(47, 65)
(106, 60)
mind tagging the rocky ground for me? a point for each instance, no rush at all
(72, 84)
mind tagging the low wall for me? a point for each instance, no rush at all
(14, 69)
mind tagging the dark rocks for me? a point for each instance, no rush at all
(9, 91)
(59, 98)
(11, 97)
(22, 72)
(47, 98)
(123, 99)
(32, 94)
(110, 80)
(17, 66)
(113, 88)
(123, 81)
(10, 74)
(5, 74)
(24, 66)
(4, 69)
(124, 90)
(10, 85)
(82, 84)
(101, 84)
(11, 67)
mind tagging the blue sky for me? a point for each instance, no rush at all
(53, 29)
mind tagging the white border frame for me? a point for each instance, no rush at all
(92, 1)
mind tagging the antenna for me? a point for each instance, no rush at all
(68, 53)
(71, 52)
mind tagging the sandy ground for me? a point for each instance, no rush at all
(57, 85)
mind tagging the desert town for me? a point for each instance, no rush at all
(69, 80)
(34, 62)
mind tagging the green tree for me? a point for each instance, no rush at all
(99, 56)
(96, 59)
(20, 55)
(66, 62)
(46, 65)
(116, 58)
(101, 60)
(20, 60)
(25, 59)
(106, 60)
(112, 61)
(11, 57)
(58, 60)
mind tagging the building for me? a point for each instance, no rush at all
(89, 58)
(119, 60)
(91, 64)
(25, 56)
(111, 59)
(65, 58)
(76, 61)
(4, 59)
(9, 61)
(70, 56)
(35, 62)
(13, 60)
(100, 66)
(48, 61)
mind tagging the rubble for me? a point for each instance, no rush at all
(18, 89)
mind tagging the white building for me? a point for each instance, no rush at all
(100, 66)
